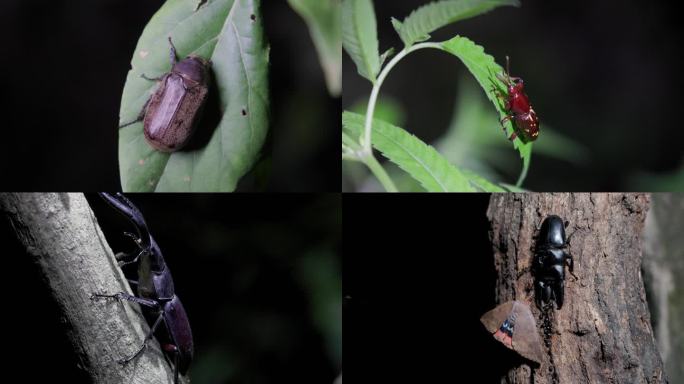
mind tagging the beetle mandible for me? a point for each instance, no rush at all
(156, 293)
(549, 262)
(517, 104)
(172, 113)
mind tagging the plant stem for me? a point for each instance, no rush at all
(379, 172)
(366, 154)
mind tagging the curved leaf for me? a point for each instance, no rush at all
(424, 20)
(481, 183)
(324, 20)
(420, 160)
(229, 32)
(483, 66)
(360, 36)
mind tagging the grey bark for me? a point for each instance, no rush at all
(61, 235)
(602, 334)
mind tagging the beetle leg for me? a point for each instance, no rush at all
(175, 367)
(172, 55)
(140, 117)
(567, 241)
(129, 258)
(504, 120)
(132, 261)
(151, 78)
(512, 136)
(149, 336)
(126, 296)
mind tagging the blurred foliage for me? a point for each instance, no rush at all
(323, 18)
(663, 272)
(669, 181)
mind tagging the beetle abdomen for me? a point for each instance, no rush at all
(173, 113)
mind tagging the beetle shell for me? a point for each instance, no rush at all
(176, 106)
(526, 125)
(517, 104)
(549, 262)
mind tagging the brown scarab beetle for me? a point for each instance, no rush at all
(173, 111)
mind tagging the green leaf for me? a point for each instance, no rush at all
(482, 66)
(426, 19)
(360, 37)
(420, 160)
(324, 18)
(482, 183)
(229, 32)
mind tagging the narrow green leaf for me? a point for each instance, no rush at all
(481, 183)
(426, 19)
(324, 18)
(420, 160)
(229, 32)
(397, 25)
(482, 66)
(360, 36)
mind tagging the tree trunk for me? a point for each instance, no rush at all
(61, 235)
(602, 334)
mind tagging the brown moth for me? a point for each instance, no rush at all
(173, 111)
(513, 324)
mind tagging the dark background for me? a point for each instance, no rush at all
(251, 272)
(605, 73)
(64, 66)
(417, 280)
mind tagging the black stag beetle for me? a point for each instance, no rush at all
(155, 291)
(549, 262)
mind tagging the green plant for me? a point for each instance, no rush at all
(230, 33)
(361, 133)
(323, 17)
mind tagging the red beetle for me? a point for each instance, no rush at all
(517, 104)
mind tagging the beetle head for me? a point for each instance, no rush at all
(193, 68)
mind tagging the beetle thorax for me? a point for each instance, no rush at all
(192, 68)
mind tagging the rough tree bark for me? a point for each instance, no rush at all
(602, 334)
(61, 234)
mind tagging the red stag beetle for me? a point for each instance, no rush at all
(517, 104)
(155, 290)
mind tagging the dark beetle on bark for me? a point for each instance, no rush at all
(173, 111)
(156, 294)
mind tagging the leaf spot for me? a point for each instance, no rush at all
(150, 183)
(141, 162)
(143, 54)
(253, 17)
(186, 179)
(244, 112)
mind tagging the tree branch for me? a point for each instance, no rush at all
(61, 235)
